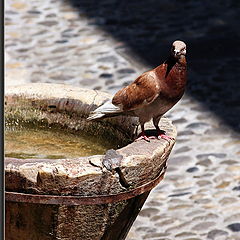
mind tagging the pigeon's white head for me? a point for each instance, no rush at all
(178, 49)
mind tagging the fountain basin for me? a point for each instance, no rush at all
(82, 193)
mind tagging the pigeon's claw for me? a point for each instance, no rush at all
(143, 136)
(162, 135)
(152, 137)
(165, 137)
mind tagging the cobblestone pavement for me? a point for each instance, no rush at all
(60, 42)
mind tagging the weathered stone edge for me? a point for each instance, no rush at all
(85, 176)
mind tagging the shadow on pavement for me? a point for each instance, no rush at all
(210, 29)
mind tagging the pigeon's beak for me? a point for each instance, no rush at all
(176, 53)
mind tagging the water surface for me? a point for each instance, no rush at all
(41, 141)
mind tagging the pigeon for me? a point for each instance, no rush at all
(152, 94)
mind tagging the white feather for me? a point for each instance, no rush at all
(106, 109)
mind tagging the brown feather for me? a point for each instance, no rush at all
(141, 92)
(152, 94)
(174, 81)
(167, 80)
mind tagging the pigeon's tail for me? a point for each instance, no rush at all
(94, 115)
(104, 111)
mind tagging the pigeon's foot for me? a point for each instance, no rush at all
(152, 137)
(162, 135)
(165, 137)
(142, 136)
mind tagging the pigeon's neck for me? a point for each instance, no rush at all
(175, 76)
(180, 62)
(174, 64)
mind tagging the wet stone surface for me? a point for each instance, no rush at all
(66, 42)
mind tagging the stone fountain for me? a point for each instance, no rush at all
(88, 198)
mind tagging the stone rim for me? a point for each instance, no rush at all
(152, 155)
(86, 200)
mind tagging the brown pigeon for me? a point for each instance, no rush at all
(152, 94)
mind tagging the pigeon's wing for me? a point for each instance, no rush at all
(106, 110)
(144, 90)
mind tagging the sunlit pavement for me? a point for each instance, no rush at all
(50, 41)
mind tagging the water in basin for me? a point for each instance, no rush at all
(41, 141)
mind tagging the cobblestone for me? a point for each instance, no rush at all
(57, 42)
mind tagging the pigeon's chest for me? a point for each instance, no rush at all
(161, 105)
(175, 82)
(157, 108)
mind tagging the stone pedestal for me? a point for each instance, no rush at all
(87, 198)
